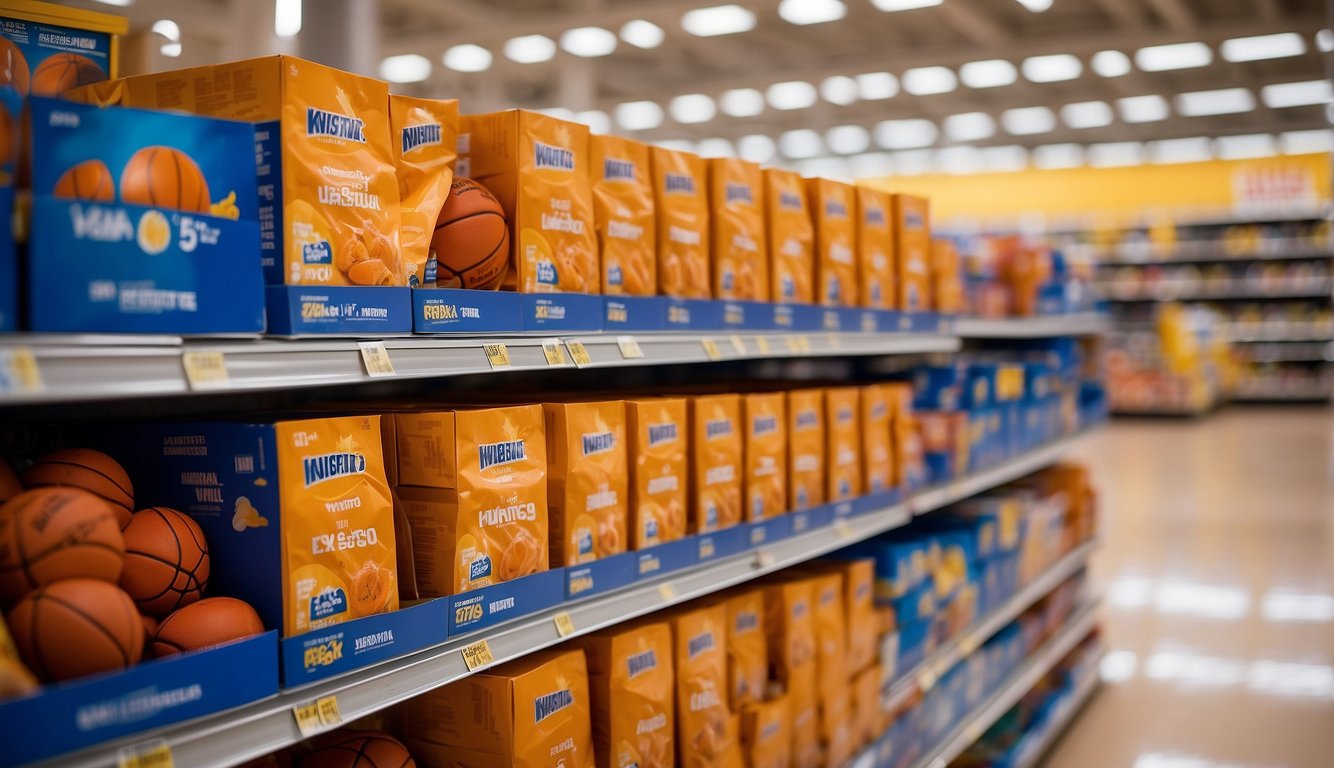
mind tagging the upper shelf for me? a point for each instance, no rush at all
(1084, 324)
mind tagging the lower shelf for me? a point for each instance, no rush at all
(1061, 719)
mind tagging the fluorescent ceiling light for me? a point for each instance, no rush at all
(596, 120)
(742, 102)
(794, 94)
(1005, 159)
(914, 162)
(1053, 156)
(959, 161)
(970, 126)
(848, 139)
(925, 81)
(171, 50)
(1087, 114)
(839, 90)
(678, 145)
(1224, 101)
(871, 164)
(757, 148)
(407, 68)
(1026, 121)
(1307, 142)
(890, 6)
(801, 144)
(1324, 40)
(588, 42)
(1303, 94)
(803, 12)
(990, 73)
(1195, 149)
(873, 86)
(286, 17)
(1114, 154)
(642, 34)
(1160, 58)
(1261, 47)
(639, 115)
(1036, 6)
(168, 29)
(835, 168)
(1110, 63)
(692, 108)
(1249, 145)
(1143, 109)
(561, 112)
(718, 20)
(906, 134)
(715, 148)
(467, 58)
(1052, 69)
(530, 49)
(117, 3)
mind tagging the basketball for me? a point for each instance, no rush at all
(471, 240)
(166, 561)
(13, 67)
(76, 627)
(89, 180)
(50, 534)
(9, 482)
(209, 622)
(90, 470)
(63, 71)
(165, 178)
(358, 749)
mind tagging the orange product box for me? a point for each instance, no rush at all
(877, 444)
(868, 719)
(747, 651)
(863, 628)
(791, 236)
(622, 180)
(910, 463)
(425, 137)
(534, 164)
(633, 688)
(837, 729)
(657, 431)
(765, 419)
(912, 247)
(831, 639)
(473, 485)
(706, 730)
(806, 448)
(789, 625)
(529, 713)
(587, 480)
(875, 249)
(766, 733)
(946, 276)
(834, 204)
(736, 216)
(680, 182)
(842, 417)
(715, 462)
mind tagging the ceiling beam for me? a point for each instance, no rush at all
(469, 12)
(974, 25)
(1125, 14)
(1267, 10)
(1174, 13)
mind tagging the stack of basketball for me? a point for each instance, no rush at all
(87, 584)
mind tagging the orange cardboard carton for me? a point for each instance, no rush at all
(843, 420)
(875, 249)
(766, 733)
(806, 448)
(747, 652)
(877, 443)
(835, 205)
(715, 462)
(425, 137)
(791, 237)
(706, 731)
(658, 432)
(789, 623)
(623, 209)
(765, 419)
(912, 238)
(587, 480)
(680, 194)
(630, 675)
(736, 216)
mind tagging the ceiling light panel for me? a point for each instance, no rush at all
(875, 86)
(1053, 156)
(801, 144)
(1027, 121)
(1087, 114)
(1051, 69)
(1263, 47)
(1194, 149)
(467, 58)
(741, 102)
(848, 139)
(839, 90)
(914, 162)
(1247, 146)
(794, 94)
(1143, 109)
(678, 145)
(715, 147)
(588, 42)
(890, 6)
(927, 81)
(1110, 63)
(990, 73)
(718, 20)
(756, 148)
(906, 134)
(871, 164)
(596, 120)
(1161, 58)
(1005, 159)
(1224, 101)
(959, 161)
(530, 49)
(642, 34)
(692, 108)
(408, 68)
(1324, 40)
(1116, 154)
(802, 12)
(639, 115)
(1304, 142)
(970, 126)
(1303, 94)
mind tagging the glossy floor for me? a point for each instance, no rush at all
(1216, 571)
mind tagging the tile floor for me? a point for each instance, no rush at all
(1217, 572)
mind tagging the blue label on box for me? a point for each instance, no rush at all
(560, 311)
(634, 313)
(798, 317)
(489, 606)
(694, 315)
(809, 519)
(764, 532)
(600, 576)
(351, 645)
(724, 543)
(456, 310)
(748, 316)
(652, 562)
(338, 310)
(841, 509)
(841, 319)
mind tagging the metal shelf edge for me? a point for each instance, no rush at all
(1083, 324)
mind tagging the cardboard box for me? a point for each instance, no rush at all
(587, 480)
(765, 420)
(835, 206)
(844, 441)
(789, 623)
(680, 194)
(747, 651)
(912, 238)
(766, 732)
(877, 441)
(946, 276)
(806, 448)
(706, 730)
(875, 249)
(657, 430)
(715, 462)
(791, 235)
(623, 209)
(739, 242)
(633, 688)
(424, 137)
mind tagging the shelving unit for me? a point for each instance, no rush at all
(1237, 290)
(1208, 252)
(1086, 324)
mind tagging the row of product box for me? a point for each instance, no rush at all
(1009, 275)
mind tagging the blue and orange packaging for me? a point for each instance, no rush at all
(142, 222)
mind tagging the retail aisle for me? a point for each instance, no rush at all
(1216, 568)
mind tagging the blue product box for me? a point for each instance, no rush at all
(693, 314)
(919, 604)
(634, 313)
(560, 311)
(768, 531)
(1052, 299)
(939, 466)
(9, 266)
(456, 310)
(64, 717)
(797, 317)
(716, 545)
(980, 389)
(110, 252)
(489, 606)
(938, 387)
(748, 316)
(323, 653)
(913, 643)
(338, 310)
(600, 576)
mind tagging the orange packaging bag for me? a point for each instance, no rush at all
(877, 453)
(633, 689)
(868, 720)
(529, 713)
(946, 277)
(474, 489)
(715, 462)
(806, 447)
(623, 210)
(425, 136)
(859, 606)
(747, 652)
(837, 728)
(587, 480)
(791, 237)
(766, 733)
(534, 164)
(789, 626)
(657, 460)
(910, 463)
(682, 206)
(831, 646)
(736, 215)
(835, 206)
(875, 249)
(338, 522)
(706, 736)
(765, 419)
(912, 248)
(842, 406)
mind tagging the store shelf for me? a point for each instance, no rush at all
(974, 483)
(1061, 718)
(1230, 293)
(1083, 324)
(1209, 252)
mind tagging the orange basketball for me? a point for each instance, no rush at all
(50, 534)
(90, 470)
(63, 71)
(13, 67)
(209, 622)
(9, 482)
(358, 749)
(471, 240)
(166, 178)
(89, 180)
(166, 560)
(76, 627)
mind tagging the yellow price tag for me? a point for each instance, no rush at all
(497, 354)
(578, 353)
(564, 624)
(150, 754)
(629, 348)
(793, 345)
(804, 345)
(554, 351)
(968, 644)
(711, 349)
(738, 344)
(843, 529)
(376, 359)
(764, 558)
(833, 341)
(926, 680)
(763, 343)
(205, 370)
(667, 591)
(477, 655)
(308, 718)
(330, 715)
